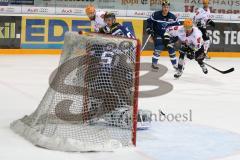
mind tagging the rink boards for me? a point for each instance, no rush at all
(45, 34)
(144, 53)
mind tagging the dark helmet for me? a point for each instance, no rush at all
(109, 15)
(165, 2)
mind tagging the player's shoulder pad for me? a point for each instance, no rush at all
(171, 15)
(123, 28)
(181, 28)
(197, 31)
(100, 14)
(157, 15)
(116, 25)
(200, 10)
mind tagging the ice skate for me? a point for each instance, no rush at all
(178, 74)
(204, 69)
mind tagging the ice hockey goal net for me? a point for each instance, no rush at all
(91, 103)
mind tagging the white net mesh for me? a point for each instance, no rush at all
(91, 103)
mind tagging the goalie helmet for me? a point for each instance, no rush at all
(165, 2)
(90, 9)
(188, 24)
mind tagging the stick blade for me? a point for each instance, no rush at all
(228, 71)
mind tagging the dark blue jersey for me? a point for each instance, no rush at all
(116, 30)
(158, 23)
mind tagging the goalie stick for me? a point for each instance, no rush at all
(223, 72)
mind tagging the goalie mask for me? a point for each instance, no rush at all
(109, 18)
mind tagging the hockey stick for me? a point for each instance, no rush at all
(145, 43)
(223, 72)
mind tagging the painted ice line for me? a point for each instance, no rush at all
(172, 141)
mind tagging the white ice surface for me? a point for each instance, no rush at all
(213, 133)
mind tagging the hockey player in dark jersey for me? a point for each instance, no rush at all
(156, 27)
(122, 96)
(114, 28)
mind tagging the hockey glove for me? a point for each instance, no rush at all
(186, 49)
(199, 24)
(211, 23)
(150, 32)
(166, 40)
(190, 55)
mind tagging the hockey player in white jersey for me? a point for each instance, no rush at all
(202, 20)
(96, 17)
(191, 44)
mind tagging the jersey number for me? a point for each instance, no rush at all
(107, 57)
